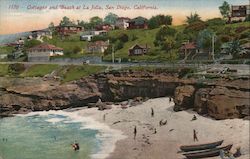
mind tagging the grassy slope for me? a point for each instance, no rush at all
(68, 44)
(76, 72)
(39, 70)
(4, 69)
(67, 73)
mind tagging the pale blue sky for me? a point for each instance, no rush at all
(27, 19)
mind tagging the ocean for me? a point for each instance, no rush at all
(49, 135)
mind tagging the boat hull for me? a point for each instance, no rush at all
(201, 146)
(207, 153)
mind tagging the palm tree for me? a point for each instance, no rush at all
(193, 18)
(234, 48)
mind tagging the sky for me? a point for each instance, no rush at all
(26, 15)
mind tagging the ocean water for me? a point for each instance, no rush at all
(48, 135)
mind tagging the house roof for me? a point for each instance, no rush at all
(45, 46)
(138, 20)
(188, 46)
(139, 46)
(123, 18)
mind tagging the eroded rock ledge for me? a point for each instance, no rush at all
(220, 99)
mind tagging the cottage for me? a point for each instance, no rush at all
(138, 50)
(188, 48)
(99, 32)
(239, 13)
(106, 27)
(122, 22)
(138, 23)
(68, 29)
(39, 34)
(43, 52)
(98, 46)
(86, 37)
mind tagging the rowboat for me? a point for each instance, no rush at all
(188, 148)
(207, 153)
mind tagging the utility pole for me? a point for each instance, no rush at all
(113, 55)
(213, 40)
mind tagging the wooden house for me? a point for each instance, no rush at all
(138, 23)
(138, 50)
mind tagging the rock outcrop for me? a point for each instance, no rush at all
(220, 99)
(222, 103)
(184, 97)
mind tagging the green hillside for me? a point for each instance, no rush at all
(75, 48)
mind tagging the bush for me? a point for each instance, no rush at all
(76, 49)
(195, 27)
(225, 38)
(215, 21)
(123, 37)
(241, 29)
(16, 68)
(99, 38)
(118, 45)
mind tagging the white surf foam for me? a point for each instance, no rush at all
(107, 135)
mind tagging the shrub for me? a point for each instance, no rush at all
(76, 49)
(215, 21)
(195, 27)
(225, 38)
(16, 68)
(241, 29)
(118, 45)
(123, 37)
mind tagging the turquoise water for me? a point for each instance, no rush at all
(45, 137)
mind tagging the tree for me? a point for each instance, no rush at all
(123, 37)
(193, 18)
(111, 18)
(204, 39)
(94, 21)
(31, 43)
(158, 20)
(118, 45)
(168, 44)
(162, 34)
(65, 21)
(234, 48)
(51, 26)
(225, 10)
(84, 24)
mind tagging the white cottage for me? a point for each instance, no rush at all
(43, 52)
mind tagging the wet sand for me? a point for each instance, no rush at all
(178, 130)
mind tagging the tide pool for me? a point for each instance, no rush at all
(47, 135)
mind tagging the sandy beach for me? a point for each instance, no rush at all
(164, 144)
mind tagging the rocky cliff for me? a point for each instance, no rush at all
(218, 98)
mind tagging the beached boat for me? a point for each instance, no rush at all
(188, 148)
(207, 153)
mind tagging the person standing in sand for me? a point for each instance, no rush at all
(195, 135)
(152, 112)
(135, 132)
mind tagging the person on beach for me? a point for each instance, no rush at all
(155, 131)
(104, 117)
(194, 118)
(135, 132)
(152, 112)
(195, 135)
(160, 123)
